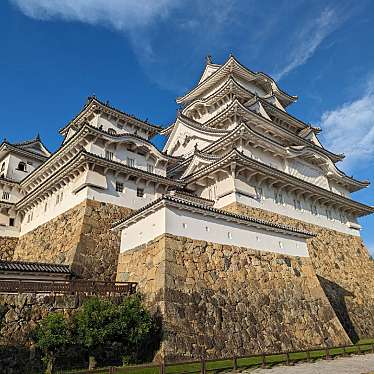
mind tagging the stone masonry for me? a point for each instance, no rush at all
(80, 237)
(222, 300)
(7, 247)
(343, 266)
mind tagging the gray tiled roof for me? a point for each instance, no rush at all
(34, 267)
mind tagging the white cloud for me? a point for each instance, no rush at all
(310, 38)
(123, 15)
(350, 129)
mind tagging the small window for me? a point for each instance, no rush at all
(184, 225)
(6, 195)
(280, 245)
(297, 204)
(61, 196)
(140, 192)
(11, 221)
(206, 228)
(229, 235)
(279, 198)
(258, 238)
(130, 162)
(150, 168)
(260, 193)
(343, 217)
(45, 207)
(119, 187)
(112, 132)
(57, 199)
(109, 155)
(329, 214)
(314, 209)
(22, 166)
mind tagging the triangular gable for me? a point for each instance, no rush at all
(208, 71)
(36, 147)
(185, 137)
(197, 162)
(274, 101)
(313, 138)
(258, 108)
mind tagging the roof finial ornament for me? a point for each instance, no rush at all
(195, 150)
(37, 137)
(208, 59)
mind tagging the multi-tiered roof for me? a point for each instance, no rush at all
(230, 115)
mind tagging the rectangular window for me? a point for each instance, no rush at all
(279, 198)
(343, 218)
(11, 221)
(109, 155)
(119, 187)
(329, 214)
(130, 162)
(314, 209)
(297, 204)
(6, 195)
(140, 192)
(45, 207)
(57, 199)
(259, 193)
(150, 168)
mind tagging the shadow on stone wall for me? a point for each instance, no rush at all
(336, 295)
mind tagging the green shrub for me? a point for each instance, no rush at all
(52, 335)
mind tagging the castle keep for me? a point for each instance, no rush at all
(242, 232)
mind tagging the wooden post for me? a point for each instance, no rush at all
(203, 366)
(162, 367)
(344, 351)
(327, 353)
(288, 358)
(263, 365)
(235, 363)
(308, 356)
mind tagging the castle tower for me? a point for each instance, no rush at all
(242, 153)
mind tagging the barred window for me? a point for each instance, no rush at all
(109, 155)
(119, 187)
(130, 162)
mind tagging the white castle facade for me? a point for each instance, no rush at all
(232, 141)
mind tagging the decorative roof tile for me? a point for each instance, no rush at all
(35, 267)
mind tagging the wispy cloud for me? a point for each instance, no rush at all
(123, 15)
(349, 128)
(310, 37)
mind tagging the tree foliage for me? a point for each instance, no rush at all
(52, 334)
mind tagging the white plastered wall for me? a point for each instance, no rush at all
(180, 222)
(287, 209)
(93, 186)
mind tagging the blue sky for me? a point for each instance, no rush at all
(141, 54)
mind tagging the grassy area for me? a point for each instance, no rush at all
(222, 365)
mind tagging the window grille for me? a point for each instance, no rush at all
(119, 187)
(140, 192)
(109, 155)
(130, 162)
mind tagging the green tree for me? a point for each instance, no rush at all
(52, 334)
(100, 323)
(136, 329)
(95, 325)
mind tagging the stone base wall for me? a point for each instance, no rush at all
(222, 300)
(7, 247)
(343, 266)
(80, 237)
(19, 316)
